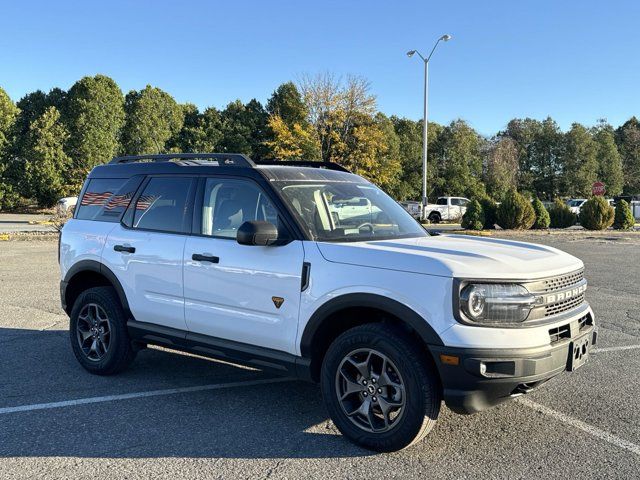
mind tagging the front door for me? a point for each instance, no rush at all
(248, 294)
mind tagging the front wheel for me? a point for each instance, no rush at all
(381, 390)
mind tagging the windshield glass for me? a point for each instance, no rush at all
(575, 203)
(344, 211)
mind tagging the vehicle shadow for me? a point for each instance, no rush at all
(271, 420)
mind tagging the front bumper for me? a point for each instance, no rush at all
(485, 377)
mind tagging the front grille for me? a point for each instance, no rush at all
(558, 333)
(563, 306)
(561, 282)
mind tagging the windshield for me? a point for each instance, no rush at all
(344, 211)
(575, 203)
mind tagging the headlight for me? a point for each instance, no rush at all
(496, 303)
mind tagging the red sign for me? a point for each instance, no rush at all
(598, 188)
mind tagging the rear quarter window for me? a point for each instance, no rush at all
(106, 199)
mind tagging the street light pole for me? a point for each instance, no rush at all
(425, 119)
(425, 127)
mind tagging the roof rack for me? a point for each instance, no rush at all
(227, 159)
(303, 163)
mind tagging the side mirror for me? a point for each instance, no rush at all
(257, 233)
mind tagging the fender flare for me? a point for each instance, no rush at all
(97, 267)
(369, 300)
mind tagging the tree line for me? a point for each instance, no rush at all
(50, 141)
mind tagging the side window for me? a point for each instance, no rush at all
(228, 203)
(463, 202)
(97, 196)
(164, 205)
(456, 201)
(441, 201)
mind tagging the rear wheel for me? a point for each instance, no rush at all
(98, 332)
(380, 388)
(434, 217)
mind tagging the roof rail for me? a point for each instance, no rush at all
(303, 163)
(227, 159)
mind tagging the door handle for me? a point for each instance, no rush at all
(198, 257)
(123, 248)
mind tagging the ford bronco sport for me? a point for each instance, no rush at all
(305, 269)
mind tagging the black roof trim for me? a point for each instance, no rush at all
(226, 159)
(302, 163)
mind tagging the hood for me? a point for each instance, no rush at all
(455, 256)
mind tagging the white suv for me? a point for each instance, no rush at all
(309, 271)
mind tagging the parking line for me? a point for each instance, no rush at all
(615, 349)
(580, 425)
(150, 393)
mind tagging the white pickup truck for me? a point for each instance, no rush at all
(447, 208)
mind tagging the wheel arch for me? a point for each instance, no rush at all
(88, 274)
(347, 311)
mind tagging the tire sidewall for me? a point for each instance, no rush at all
(107, 301)
(418, 393)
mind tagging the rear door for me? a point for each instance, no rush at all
(145, 250)
(248, 294)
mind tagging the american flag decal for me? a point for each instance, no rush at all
(95, 198)
(145, 201)
(119, 201)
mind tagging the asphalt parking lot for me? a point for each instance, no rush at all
(173, 415)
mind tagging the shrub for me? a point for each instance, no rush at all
(596, 214)
(473, 219)
(561, 216)
(623, 219)
(542, 216)
(515, 212)
(490, 209)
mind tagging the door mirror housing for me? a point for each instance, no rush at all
(257, 233)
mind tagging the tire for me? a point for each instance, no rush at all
(100, 353)
(420, 396)
(434, 217)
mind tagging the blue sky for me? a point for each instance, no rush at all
(572, 60)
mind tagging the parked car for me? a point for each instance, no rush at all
(414, 208)
(66, 205)
(575, 204)
(447, 209)
(309, 271)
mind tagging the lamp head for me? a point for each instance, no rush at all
(411, 53)
(445, 37)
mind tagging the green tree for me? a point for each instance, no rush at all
(501, 172)
(540, 151)
(459, 161)
(409, 134)
(596, 214)
(473, 218)
(609, 159)
(94, 118)
(580, 162)
(45, 158)
(152, 118)
(623, 219)
(244, 129)
(628, 140)
(560, 215)
(8, 114)
(515, 212)
(286, 102)
(542, 215)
